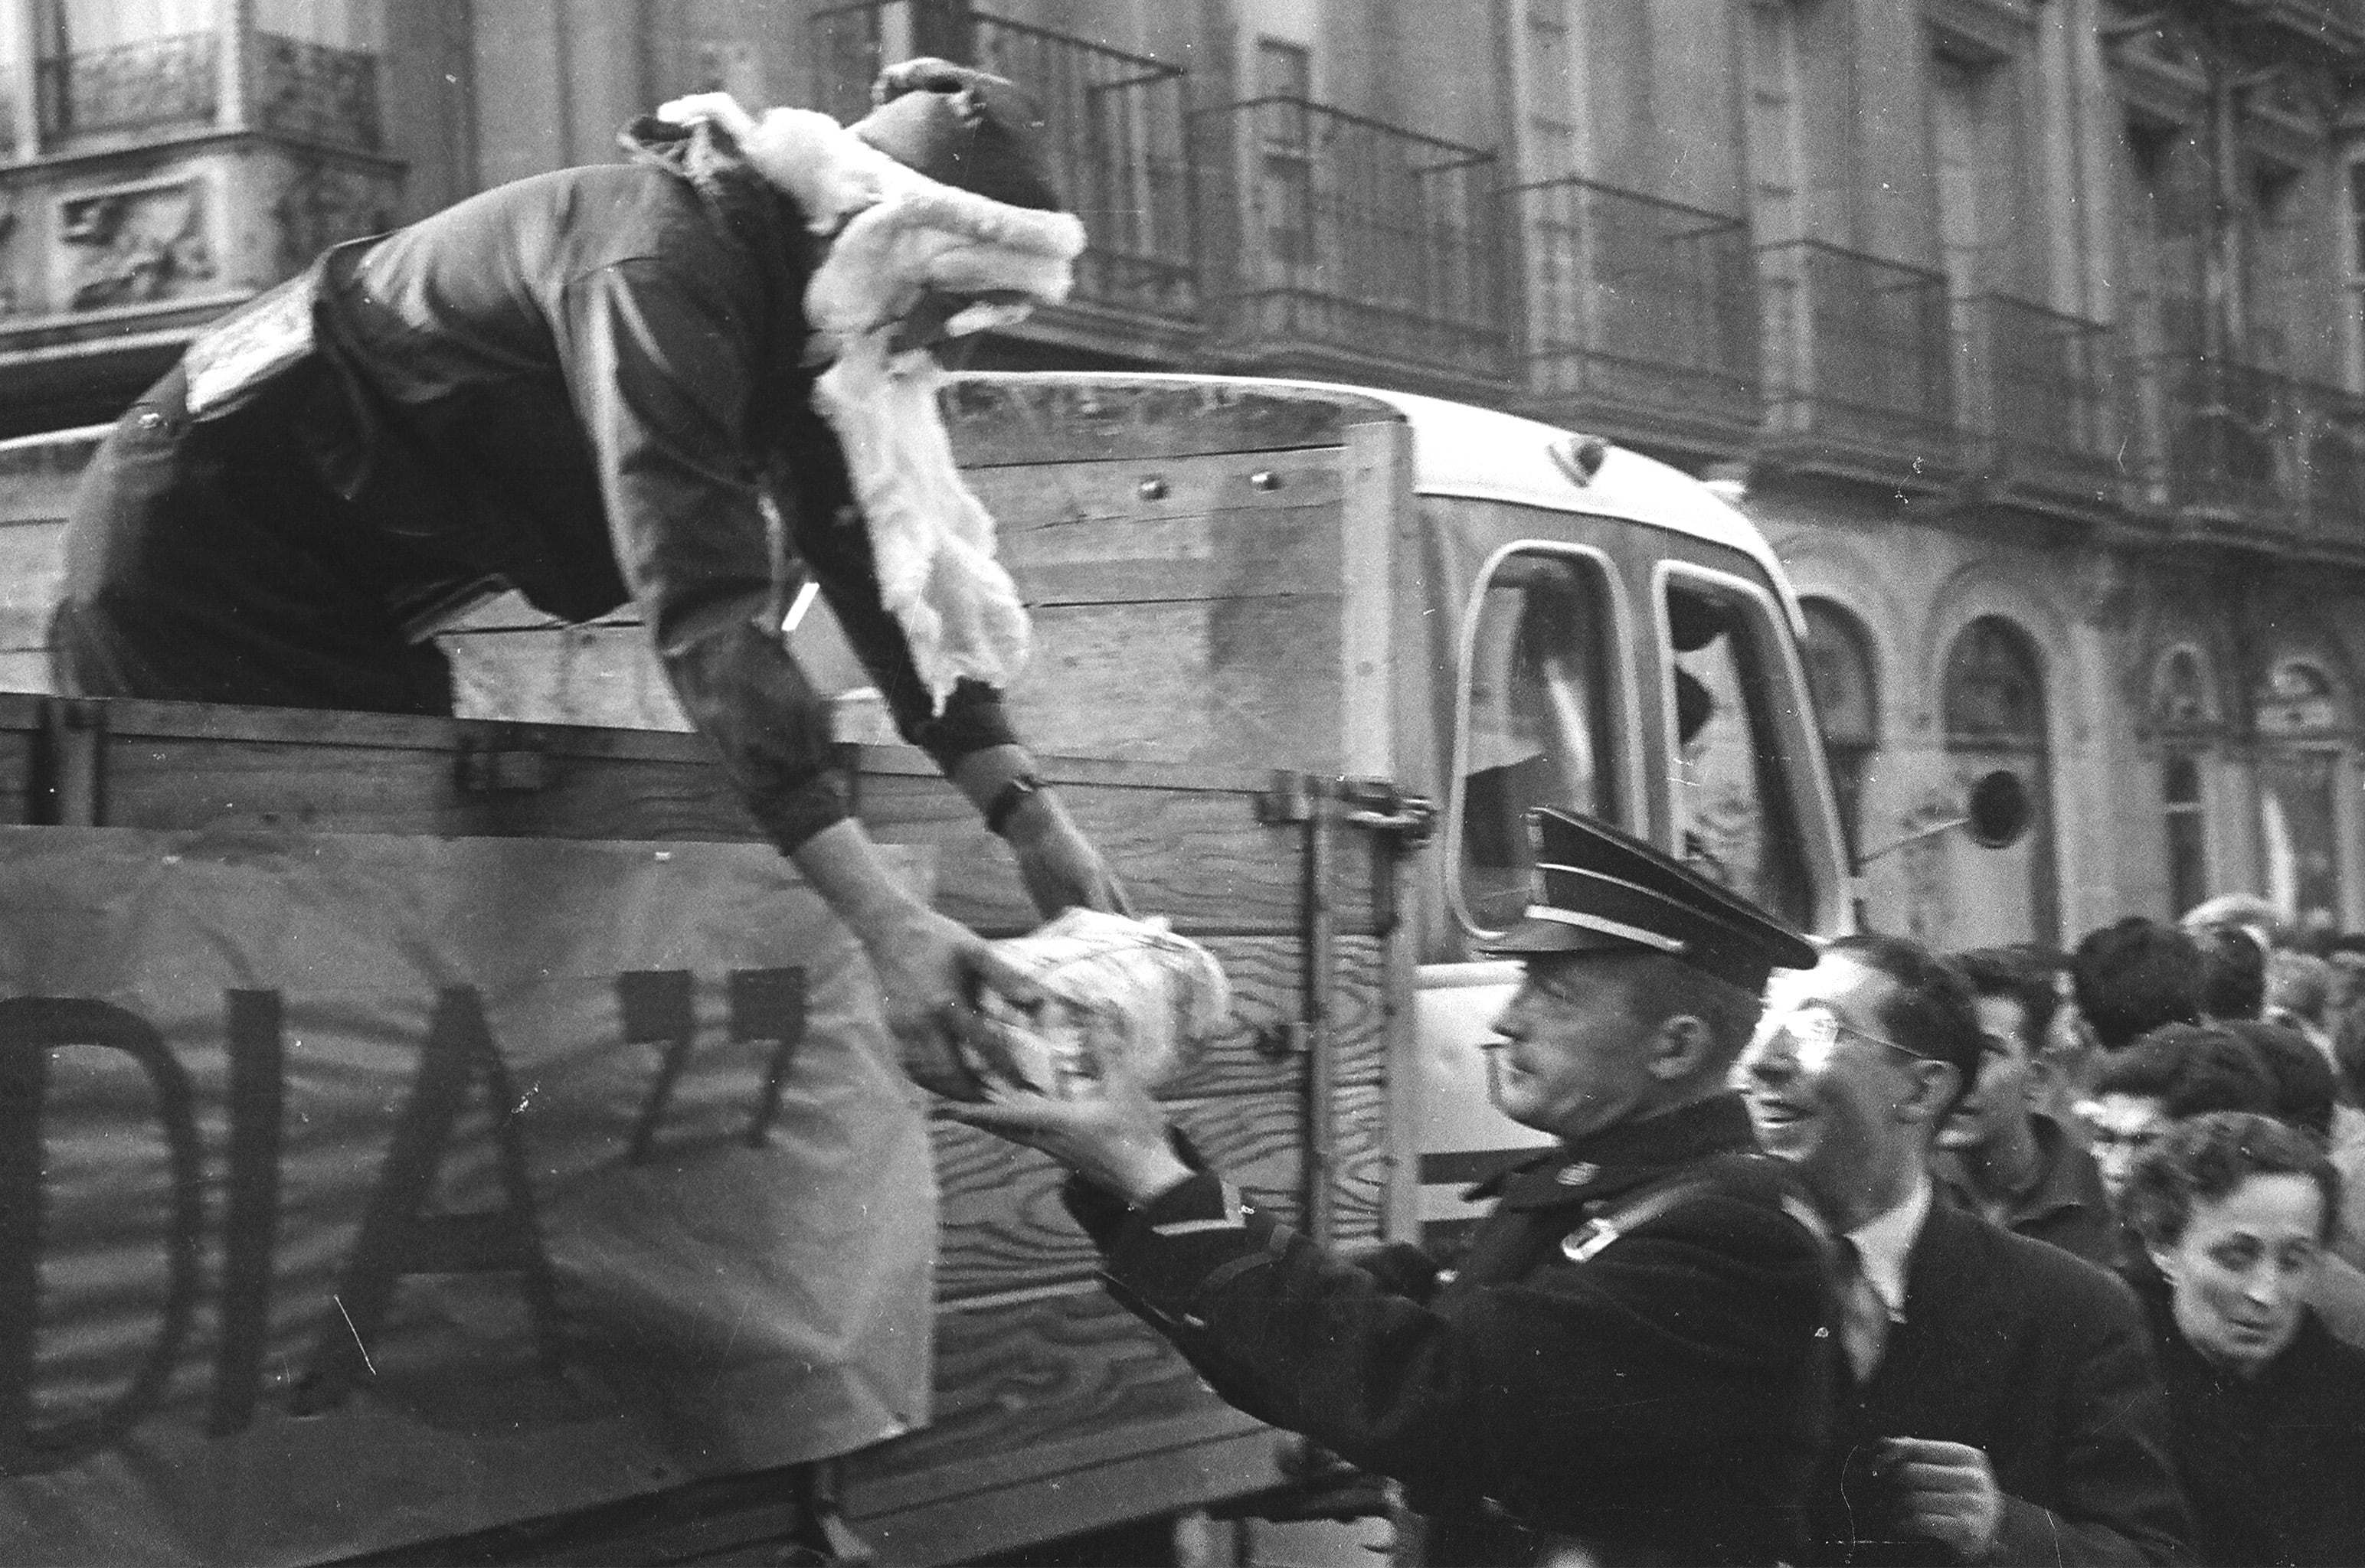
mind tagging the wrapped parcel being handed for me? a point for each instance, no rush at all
(1112, 986)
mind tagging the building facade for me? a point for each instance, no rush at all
(2031, 331)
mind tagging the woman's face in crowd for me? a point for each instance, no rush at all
(2242, 1270)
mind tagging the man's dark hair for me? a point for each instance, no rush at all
(1931, 1011)
(1658, 986)
(1663, 986)
(2203, 1160)
(2306, 1085)
(2191, 1069)
(2016, 975)
(2233, 973)
(2134, 977)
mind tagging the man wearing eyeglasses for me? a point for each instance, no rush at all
(1632, 1364)
(2004, 1407)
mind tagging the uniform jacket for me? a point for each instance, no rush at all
(2041, 1362)
(2274, 1467)
(592, 386)
(1661, 1399)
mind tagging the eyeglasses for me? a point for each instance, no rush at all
(1814, 1031)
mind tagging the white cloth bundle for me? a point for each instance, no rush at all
(896, 234)
(1130, 989)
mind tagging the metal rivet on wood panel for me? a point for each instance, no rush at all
(1264, 479)
(1153, 489)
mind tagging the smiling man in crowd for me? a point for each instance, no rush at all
(2005, 1407)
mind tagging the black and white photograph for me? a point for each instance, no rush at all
(1182, 783)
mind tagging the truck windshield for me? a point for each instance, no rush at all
(1735, 813)
(1534, 720)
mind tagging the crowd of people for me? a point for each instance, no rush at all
(2180, 1104)
(1850, 1252)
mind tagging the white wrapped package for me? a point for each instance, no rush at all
(1112, 985)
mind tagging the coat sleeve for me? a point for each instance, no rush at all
(661, 364)
(1577, 1370)
(2116, 1493)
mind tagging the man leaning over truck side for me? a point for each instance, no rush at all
(1631, 1360)
(692, 381)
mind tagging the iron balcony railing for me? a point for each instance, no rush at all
(156, 81)
(2038, 387)
(2337, 23)
(1114, 126)
(317, 91)
(2221, 439)
(1638, 307)
(2329, 427)
(1858, 360)
(1360, 241)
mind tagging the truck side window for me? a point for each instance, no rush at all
(1536, 721)
(1735, 817)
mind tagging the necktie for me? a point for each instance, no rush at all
(1863, 1316)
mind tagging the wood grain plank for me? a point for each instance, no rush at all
(1198, 858)
(37, 474)
(1035, 1391)
(1055, 497)
(32, 572)
(1004, 1229)
(1056, 419)
(1268, 990)
(968, 1507)
(1240, 682)
(599, 675)
(26, 672)
(20, 743)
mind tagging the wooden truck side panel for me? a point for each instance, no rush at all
(1045, 1388)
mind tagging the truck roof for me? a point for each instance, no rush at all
(1461, 450)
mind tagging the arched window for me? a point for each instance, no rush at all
(2301, 726)
(1994, 710)
(1847, 705)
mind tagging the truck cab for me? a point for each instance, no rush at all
(1490, 612)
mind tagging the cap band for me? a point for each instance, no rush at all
(1616, 928)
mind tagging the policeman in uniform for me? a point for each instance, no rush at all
(1632, 1364)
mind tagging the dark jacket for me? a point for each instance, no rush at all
(2065, 1206)
(1661, 1399)
(2274, 1467)
(2039, 1360)
(587, 386)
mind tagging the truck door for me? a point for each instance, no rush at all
(1639, 676)
(1543, 712)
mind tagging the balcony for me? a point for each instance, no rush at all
(1114, 129)
(2330, 430)
(1859, 367)
(174, 80)
(1365, 250)
(169, 177)
(1641, 317)
(2332, 27)
(2221, 439)
(2037, 390)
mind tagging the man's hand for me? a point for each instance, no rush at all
(929, 967)
(1113, 1135)
(1947, 1492)
(1058, 863)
